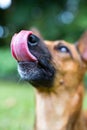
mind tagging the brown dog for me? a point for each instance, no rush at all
(56, 69)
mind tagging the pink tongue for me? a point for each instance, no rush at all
(19, 47)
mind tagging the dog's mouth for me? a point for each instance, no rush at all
(34, 59)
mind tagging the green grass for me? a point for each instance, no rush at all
(17, 106)
(85, 102)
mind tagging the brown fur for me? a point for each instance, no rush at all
(60, 107)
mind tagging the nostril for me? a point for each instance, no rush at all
(32, 40)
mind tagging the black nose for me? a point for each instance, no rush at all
(33, 40)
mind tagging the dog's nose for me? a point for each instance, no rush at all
(32, 40)
(19, 46)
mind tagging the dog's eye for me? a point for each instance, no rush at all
(63, 49)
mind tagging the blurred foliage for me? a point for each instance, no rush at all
(64, 19)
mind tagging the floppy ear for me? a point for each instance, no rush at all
(82, 46)
(36, 32)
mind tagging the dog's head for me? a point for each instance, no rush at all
(49, 64)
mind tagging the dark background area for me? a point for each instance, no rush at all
(66, 19)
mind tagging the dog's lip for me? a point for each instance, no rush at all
(19, 47)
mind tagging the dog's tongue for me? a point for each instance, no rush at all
(19, 47)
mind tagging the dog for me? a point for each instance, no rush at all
(56, 70)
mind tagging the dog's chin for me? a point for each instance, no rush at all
(36, 74)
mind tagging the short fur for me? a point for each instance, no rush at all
(59, 98)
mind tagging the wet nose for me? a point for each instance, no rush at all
(32, 40)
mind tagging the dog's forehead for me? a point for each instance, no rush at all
(71, 46)
(52, 44)
(55, 43)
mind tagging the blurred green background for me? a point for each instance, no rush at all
(59, 19)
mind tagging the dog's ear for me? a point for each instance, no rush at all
(82, 46)
(36, 32)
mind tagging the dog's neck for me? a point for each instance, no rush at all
(58, 112)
